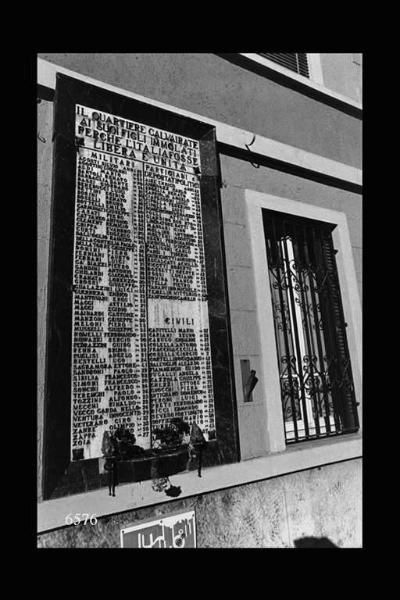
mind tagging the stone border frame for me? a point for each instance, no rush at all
(61, 476)
(255, 202)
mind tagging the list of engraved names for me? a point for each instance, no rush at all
(140, 332)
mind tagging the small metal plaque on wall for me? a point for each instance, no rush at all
(173, 531)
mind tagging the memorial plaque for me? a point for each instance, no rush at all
(141, 343)
(138, 322)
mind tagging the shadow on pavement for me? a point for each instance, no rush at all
(314, 542)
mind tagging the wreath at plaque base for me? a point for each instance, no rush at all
(175, 446)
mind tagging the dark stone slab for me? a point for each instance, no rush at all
(61, 476)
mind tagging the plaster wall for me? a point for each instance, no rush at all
(342, 72)
(209, 85)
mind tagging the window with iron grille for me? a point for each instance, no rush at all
(295, 61)
(316, 381)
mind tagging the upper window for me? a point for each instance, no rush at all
(316, 382)
(295, 61)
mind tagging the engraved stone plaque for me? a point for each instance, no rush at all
(138, 323)
(140, 337)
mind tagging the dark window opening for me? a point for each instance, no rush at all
(317, 388)
(295, 61)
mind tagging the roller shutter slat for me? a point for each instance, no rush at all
(295, 61)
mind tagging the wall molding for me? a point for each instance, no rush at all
(226, 134)
(315, 81)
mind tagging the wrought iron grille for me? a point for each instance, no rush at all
(317, 389)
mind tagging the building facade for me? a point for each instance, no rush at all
(246, 168)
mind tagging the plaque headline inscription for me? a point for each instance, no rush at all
(140, 333)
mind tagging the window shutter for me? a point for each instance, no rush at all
(343, 379)
(295, 61)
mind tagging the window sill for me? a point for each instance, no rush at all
(306, 455)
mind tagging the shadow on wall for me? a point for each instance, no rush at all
(314, 542)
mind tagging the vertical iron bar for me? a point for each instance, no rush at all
(329, 333)
(312, 279)
(325, 391)
(307, 327)
(296, 334)
(285, 335)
